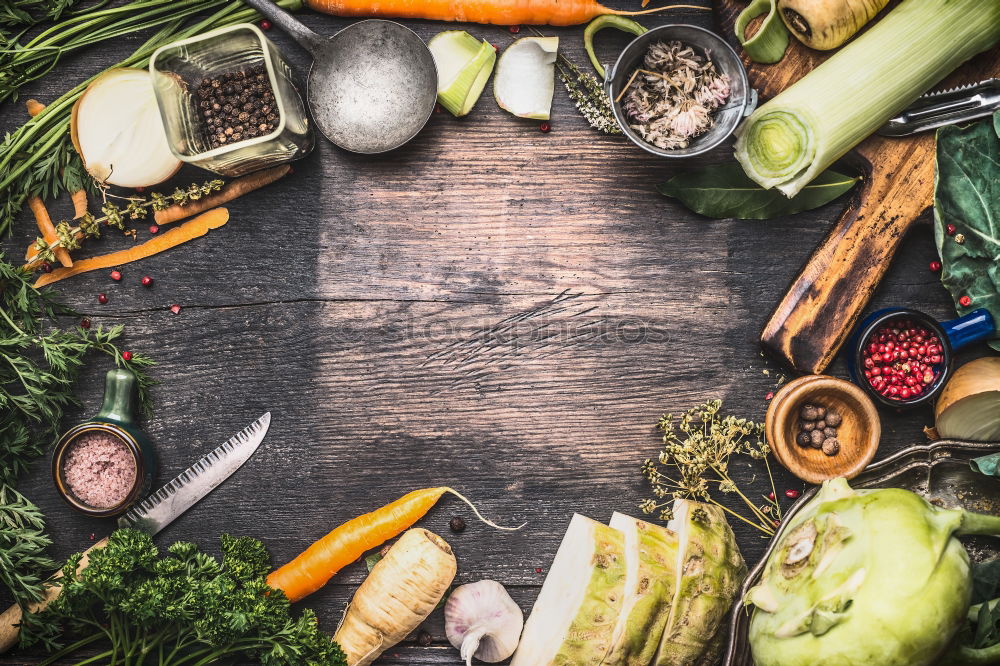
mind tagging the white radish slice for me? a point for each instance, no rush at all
(464, 65)
(525, 79)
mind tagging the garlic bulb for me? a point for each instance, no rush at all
(482, 621)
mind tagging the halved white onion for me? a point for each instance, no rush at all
(117, 130)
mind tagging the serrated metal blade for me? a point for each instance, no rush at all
(187, 488)
(963, 104)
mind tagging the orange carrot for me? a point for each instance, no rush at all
(232, 190)
(47, 230)
(319, 562)
(190, 230)
(34, 107)
(497, 12)
(79, 204)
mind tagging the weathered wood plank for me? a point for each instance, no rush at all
(492, 308)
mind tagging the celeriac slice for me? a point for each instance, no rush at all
(525, 79)
(707, 579)
(651, 559)
(580, 600)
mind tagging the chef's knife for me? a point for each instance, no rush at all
(948, 107)
(162, 507)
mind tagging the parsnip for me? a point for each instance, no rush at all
(826, 24)
(399, 593)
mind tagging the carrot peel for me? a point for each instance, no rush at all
(311, 569)
(190, 230)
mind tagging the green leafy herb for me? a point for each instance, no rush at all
(967, 195)
(16, 15)
(695, 460)
(39, 365)
(24, 566)
(178, 607)
(724, 191)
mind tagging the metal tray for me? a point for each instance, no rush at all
(939, 471)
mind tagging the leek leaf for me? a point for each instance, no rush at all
(967, 195)
(724, 191)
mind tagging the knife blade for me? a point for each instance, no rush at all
(947, 107)
(187, 488)
(162, 507)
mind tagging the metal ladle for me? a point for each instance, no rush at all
(371, 87)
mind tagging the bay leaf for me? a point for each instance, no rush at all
(967, 195)
(724, 191)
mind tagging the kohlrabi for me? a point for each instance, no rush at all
(867, 578)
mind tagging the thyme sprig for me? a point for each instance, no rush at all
(695, 461)
(588, 95)
(136, 208)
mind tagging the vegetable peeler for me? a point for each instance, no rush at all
(947, 107)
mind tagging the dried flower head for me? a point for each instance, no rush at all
(696, 452)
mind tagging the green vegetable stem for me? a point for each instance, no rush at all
(600, 23)
(178, 608)
(767, 45)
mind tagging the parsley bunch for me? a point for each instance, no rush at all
(39, 365)
(184, 607)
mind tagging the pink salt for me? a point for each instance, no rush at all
(99, 470)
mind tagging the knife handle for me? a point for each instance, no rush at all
(10, 619)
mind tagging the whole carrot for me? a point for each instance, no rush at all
(231, 190)
(310, 570)
(497, 12)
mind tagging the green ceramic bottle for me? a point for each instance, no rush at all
(111, 440)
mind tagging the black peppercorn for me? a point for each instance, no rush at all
(457, 524)
(237, 105)
(424, 639)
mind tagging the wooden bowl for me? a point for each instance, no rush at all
(858, 433)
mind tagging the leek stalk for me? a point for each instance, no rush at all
(790, 140)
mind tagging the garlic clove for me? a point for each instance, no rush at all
(482, 621)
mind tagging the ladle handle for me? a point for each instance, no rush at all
(305, 37)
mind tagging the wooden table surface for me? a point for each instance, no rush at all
(492, 308)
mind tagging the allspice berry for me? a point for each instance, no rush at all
(816, 438)
(830, 432)
(820, 412)
(831, 446)
(808, 426)
(821, 424)
(833, 418)
(808, 413)
(803, 439)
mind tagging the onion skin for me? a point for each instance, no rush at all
(976, 378)
(826, 24)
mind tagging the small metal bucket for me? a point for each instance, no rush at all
(742, 98)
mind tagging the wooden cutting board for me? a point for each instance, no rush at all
(827, 297)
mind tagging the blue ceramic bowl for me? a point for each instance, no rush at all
(954, 334)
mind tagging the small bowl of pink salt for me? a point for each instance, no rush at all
(98, 469)
(103, 466)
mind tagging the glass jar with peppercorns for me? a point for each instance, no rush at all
(230, 102)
